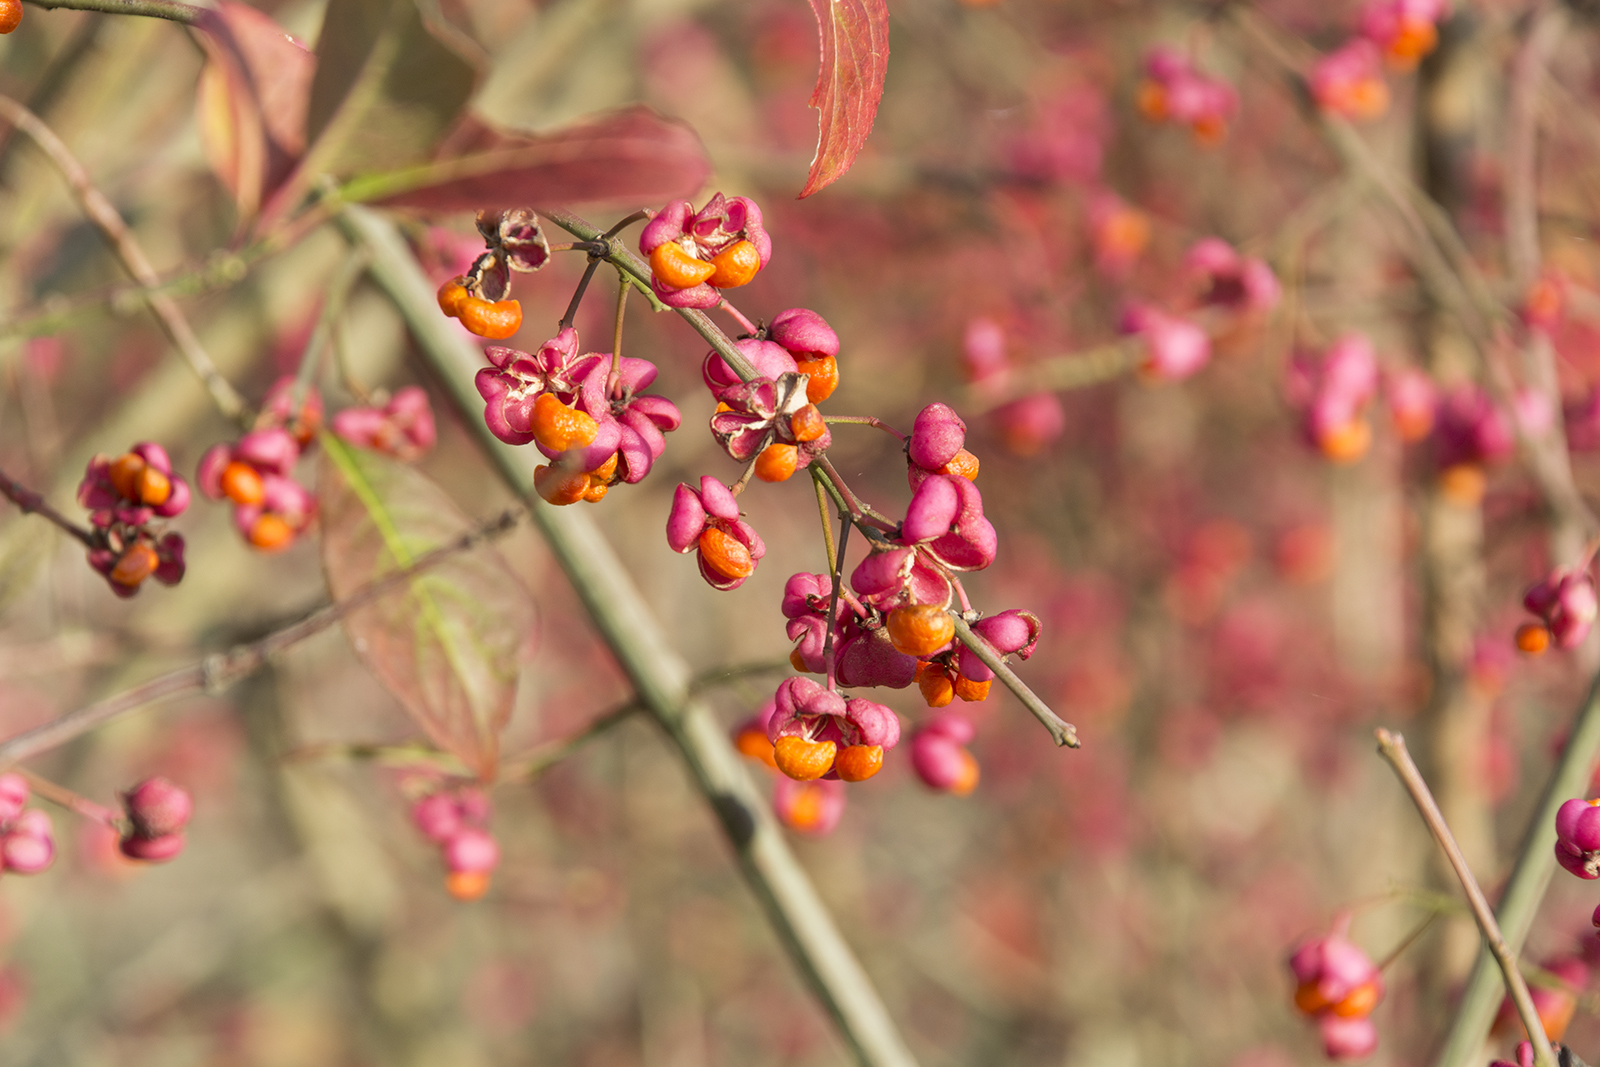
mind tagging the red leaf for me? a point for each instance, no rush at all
(855, 57)
(628, 155)
(252, 100)
(449, 643)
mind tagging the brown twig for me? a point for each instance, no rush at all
(1392, 747)
(32, 503)
(222, 669)
(171, 10)
(1063, 732)
(66, 798)
(104, 215)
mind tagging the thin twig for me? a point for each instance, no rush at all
(66, 798)
(1392, 747)
(1519, 901)
(128, 251)
(221, 669)
(171, 10)
(1063, 732)
(32, 503)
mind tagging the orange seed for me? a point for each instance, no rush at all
(803, 760)
(808, 424)
(559, 427)
(124, 474)
(241, 484)
(971, 691)
(271, 533)
(467, 886)
(777, 462)
(453, 295)
(824, 378)
(675, 267)
(1532, 639)
(725, 554)
(735, 265)
(920, 629)
(857, 763)
(494, 321)
(136, 564)
(560, 487)
(964, 464)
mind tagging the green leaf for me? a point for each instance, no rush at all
(449, 643)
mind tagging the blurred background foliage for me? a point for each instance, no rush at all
(1225, 614)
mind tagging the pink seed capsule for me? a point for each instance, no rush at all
(26, 853)
(157, 807)
(152, 849)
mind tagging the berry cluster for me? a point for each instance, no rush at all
(157, 811)
(402, 428)
(895, 622)
(456, 820)
(1349, 81)
(125, 496)
(1566, 605)
(586, 413)
(480, 298)
(693, 253)
(1338, 986)
(27, 842)
(256, 473)
(1173, 91)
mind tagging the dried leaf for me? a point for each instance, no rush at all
(389, 86)
(855, 58)
(628, 155)
(449, 643)
(252, 99)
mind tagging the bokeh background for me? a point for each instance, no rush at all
(1226, 613)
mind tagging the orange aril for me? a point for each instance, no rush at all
(1532, 639)
(857, 763)
(154, 487)
(1151, 101)
(754, 744)
(937, 689)
(494, 321)
(1349, 442)
(467, 885)
(807, 424)
(1359, 1002)
(798, 662)
(824, 378)
(967, 780)
(271, 533)
(920, 629)
(971, 691)
(777, 462)
(136, 564)
(560, 487)
(1463, 484)
(675, 267)
(10, 15)
(1309, 999)
(735, 265)
(241, 484)
(726, 554)
(963, 464)
(803, 760)
(124, 474)
(453, 296)
(559, 427)
(596, 492)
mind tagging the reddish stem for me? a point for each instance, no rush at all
(32, 503)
